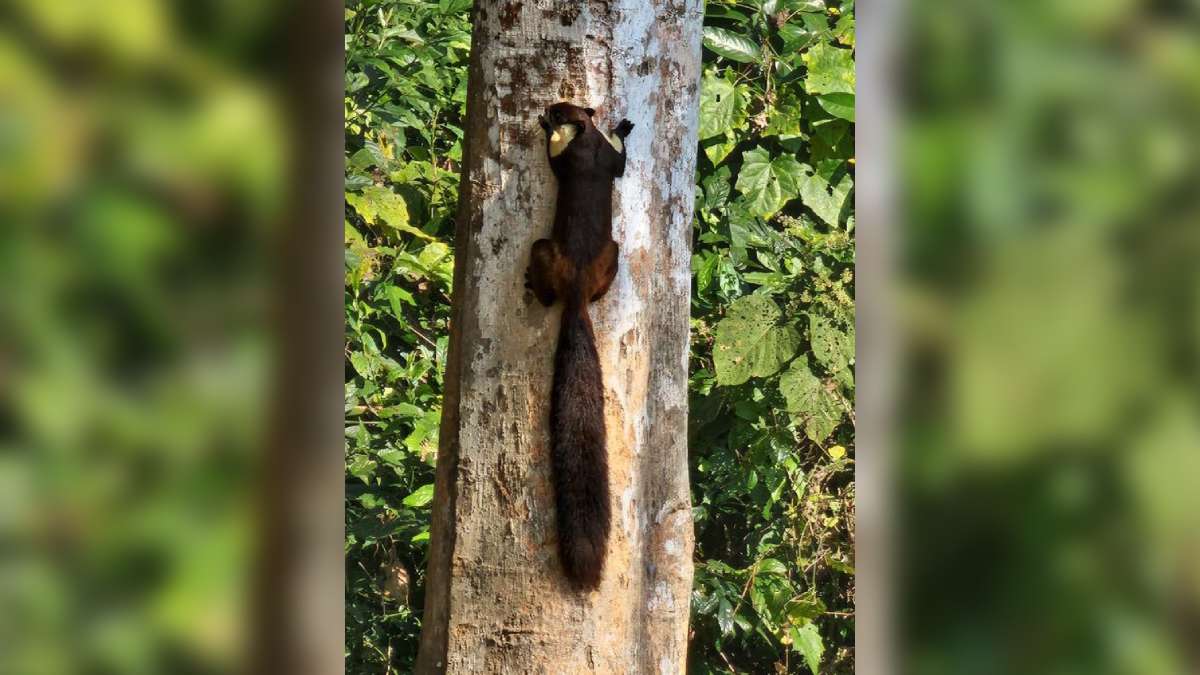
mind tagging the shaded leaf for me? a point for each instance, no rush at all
(725, 616)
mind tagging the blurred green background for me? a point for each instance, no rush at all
(140, 164)
(1049, 437)
(772, 379)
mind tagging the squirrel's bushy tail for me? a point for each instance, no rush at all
(579, 459)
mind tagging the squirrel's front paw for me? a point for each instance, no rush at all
(623, 128)
(544, 124)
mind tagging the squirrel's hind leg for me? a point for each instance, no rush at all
(540, 276)
(606, 270)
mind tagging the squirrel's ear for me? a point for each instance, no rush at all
(590, 111)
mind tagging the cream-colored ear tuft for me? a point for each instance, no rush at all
(615, 141)
(561, 138)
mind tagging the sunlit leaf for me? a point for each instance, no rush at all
(830, 70)
(806, 640)
(420, 497)
(810, 401)
(722, 106)
(749, 341)
(731, 45)
(767, 183)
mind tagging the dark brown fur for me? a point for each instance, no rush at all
(577, 264)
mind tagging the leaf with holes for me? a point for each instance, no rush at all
(750, 343)
(830, 70)
(817, 409)
(722, 106)
(379, 205)
(833, 347)
(817, 193)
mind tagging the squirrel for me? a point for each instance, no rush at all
(577, 264)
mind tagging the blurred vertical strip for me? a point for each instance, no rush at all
(1050, 408)
(299, 625)
(877, 234)
(151, 206)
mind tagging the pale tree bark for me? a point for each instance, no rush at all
(496, 600)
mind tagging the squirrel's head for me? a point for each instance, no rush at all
(567, 113)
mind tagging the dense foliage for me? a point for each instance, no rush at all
(772, 432)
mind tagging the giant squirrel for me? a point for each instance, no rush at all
(577, 264)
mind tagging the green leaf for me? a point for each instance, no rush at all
(832, 347)
(840, 105)
(769, 596)
(392, 456)
(364, 365)
(806, 6)
(797, 37)
(817, 194)
(830, 70)
(379, 205)
(784, 120)
(716, 188)
(831, 141)
(423, 439)
(705, 269)
(718, 150)
(749, 343)
(806, 640)
(731, 45)
(769, 184)
(725, 617)
(722, 106)
(433, 254)
(844, 29)
(362, 468)
(810, 402)
(804, 609)
(420, 497)
(397, 295)
(772, 566)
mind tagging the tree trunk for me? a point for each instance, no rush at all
(496, 599)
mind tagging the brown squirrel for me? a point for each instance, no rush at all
(577, 264)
